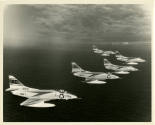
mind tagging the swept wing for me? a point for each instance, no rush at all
(36, 102)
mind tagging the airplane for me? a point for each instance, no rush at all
(91, 77)
(129, 60)
(118, 69)
(103, 53)
(36, 97)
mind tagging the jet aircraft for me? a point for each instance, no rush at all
(101, 52)
(91, 77)
(129, 60)
(36, 97)
(118, 69)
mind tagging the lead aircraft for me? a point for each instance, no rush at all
(91, 77)
(36, 97)
(118, 69)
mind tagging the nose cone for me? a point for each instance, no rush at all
(114, 77)
(73, 96)
(140, 60)
(134, 69)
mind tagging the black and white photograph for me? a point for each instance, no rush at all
(77, 63)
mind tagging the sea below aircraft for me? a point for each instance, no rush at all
(36, 97)
(92, 77)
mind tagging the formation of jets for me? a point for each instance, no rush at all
(118, 56)
(117, 68)
(41, 98)
(101, 77)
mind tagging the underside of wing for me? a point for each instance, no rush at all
(35, 102)
(94, 81)
(132, 63)
(121, 72)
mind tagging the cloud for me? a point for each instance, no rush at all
(85, 19)
(104, 22)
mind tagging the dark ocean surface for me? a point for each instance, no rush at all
(123, 100)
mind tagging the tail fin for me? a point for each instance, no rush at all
(106, 61)
(13, 80)
(14, 83)
(94, 47)
(117, 52)
(76, 68)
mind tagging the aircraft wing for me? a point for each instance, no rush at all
(119, 67)
(36, 102)
(95, 77)
(94, 81)
(32, 101)
(87, 74)
(97, 73)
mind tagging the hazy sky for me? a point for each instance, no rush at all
(28, 25)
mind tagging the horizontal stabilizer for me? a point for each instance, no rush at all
(11, 89)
